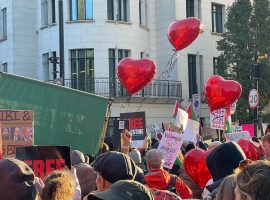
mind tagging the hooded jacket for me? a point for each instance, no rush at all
(160, 179)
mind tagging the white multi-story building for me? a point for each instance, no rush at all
(99, 33)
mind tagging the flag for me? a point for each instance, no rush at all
(228, 124)
(175, 110)
(191, 112)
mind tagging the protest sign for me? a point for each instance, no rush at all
(170, 145)
(217, 119)
(237, 129)
(181, 119)
(249, 128)
(191, 131)
(16, 129)
(44, 159)
(236, 136)
(118, 127)
(233, 108)
(137, 127)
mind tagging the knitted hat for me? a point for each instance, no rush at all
(224, 159)
(77, 157)
(16, 180)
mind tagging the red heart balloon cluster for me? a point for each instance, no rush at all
(195, 166)
(220, 93)
(181, 33)
(252, 150)
(134, 75)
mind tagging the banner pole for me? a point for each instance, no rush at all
(107, 119)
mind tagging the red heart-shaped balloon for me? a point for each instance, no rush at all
(220, 93)
(181, 33)
(250, 149)
(135, 74)
(195, 166)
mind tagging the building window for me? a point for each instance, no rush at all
(193, 8)
(115, 56)
(82, 69)
(3, 23)
(143, 12)
(190, 8)
(217, 22)
(4, 67)
(118, 10)
(144, 55)
(215, 66)
(192, 78)
(47, 12)
(81, 10)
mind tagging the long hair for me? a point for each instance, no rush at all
(226, 188)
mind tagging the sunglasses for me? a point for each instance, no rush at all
(243, 164)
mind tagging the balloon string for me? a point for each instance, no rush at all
(171, 65)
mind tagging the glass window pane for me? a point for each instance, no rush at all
(73, 9)
(110, 9)
(81, 53)
(81, 13)
(73, 69)
(73, 53)
(89, 53)
(89, 9)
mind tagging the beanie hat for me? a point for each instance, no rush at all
(114, 166)
(16, 180)
(77, 157)
(224, 159)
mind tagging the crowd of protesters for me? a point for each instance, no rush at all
(138, 174)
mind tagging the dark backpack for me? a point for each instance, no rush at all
(171, 186)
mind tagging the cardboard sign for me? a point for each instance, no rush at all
(236, 136)
(181, 119)
(233, 108)
(137, 127)
(191, 131)
(249, 128)
(118, 127)
(16, 130)
(170, 145)
(217, 119)
(237, 129)
(44, 159)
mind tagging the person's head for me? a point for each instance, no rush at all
(5, 133)
(17, 132)
(113, 166)
(58, 185)
(266, 145)
(253, 181)
(123, 189)
(222, 161)
(154, 159)
(27, 133)
(77, 157)
(135, 155)
(16, 180)
(226, 188)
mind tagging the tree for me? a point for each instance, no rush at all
(245, 36)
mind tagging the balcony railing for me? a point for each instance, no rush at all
(113, 88)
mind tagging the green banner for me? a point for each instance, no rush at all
(62, 116)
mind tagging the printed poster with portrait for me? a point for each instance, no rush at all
(16, 130)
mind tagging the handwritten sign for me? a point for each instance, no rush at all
(191, 131)
(236, 136)
(181, 119)
(170, 145)
(217, 119)
(237, 129)
(16, 130)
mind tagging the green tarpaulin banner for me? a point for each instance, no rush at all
(62, 116)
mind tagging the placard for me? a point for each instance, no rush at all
(191, 131)
(118, 127)
(44, 159)
(170, 145)
(249, 128)
(16, 130)
(137, 127)
(236, 136)
(217, 119)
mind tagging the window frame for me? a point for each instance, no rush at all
(192, 74)
(74, 4)
(118, 10)
(217, 18)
